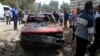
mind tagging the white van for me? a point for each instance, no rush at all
(2, 7)
(6, 6)
(1, 12)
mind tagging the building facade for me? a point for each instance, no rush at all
(80, 3)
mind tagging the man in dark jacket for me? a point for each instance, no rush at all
(66, 17)
(84, 31)
(15, 17)
(56, 16)
(21, 16)
(96, 43)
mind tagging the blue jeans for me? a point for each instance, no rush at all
(15, 23)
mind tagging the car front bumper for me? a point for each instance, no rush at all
(43, 41)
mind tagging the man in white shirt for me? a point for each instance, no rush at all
(7, 15)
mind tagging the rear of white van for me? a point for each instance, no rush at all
(1, 12)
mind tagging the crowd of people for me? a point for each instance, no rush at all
(85, 24)
(13, 15)
(86, 29)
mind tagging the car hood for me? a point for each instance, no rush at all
(41, 28)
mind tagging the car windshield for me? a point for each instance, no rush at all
(39, 18)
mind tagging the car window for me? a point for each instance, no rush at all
(34, 19)
(39, 18)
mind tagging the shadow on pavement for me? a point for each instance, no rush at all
(42, 52)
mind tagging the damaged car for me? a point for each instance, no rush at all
(41, 31)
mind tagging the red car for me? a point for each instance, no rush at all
(41, 31)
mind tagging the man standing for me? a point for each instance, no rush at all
(61, 19)
(96, 43)
(56, 16)
(73, 21)
(7, 15)
(15, 17)
(66, 17)
(84, 31)
(21, 16)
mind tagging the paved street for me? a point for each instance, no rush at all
(9, 44)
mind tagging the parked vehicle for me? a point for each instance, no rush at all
(2, 8)
(39, 32)
(1, 12)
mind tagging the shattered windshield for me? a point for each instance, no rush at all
(39, 18)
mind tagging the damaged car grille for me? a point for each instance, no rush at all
(39, 38)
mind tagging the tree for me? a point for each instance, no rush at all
(23, 4)
(64, 6)
(29, 5)
(53, 6)
(45, 8)
(26, 4)
(6, 2)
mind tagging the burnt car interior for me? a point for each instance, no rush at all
(40, 18)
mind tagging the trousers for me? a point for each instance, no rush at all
(81, 45)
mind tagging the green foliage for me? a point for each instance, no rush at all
(6, 2)
(45, 8)
(53, 5)
(20, 3)
(64, 6)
